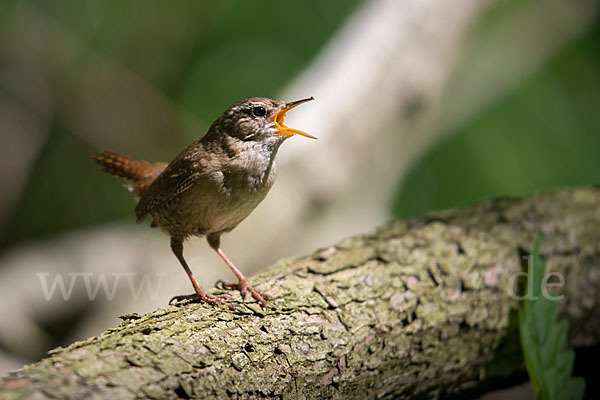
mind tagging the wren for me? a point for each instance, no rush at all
(212, 185)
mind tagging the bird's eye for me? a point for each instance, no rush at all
(260, 111)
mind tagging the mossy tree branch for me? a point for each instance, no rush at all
(419, 307)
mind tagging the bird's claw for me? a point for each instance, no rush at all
(207, 298)
(244, 287)
(218, 299)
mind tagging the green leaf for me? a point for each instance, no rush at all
(544, 339)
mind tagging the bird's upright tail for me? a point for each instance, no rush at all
(139, 173)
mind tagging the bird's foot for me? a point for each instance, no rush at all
(207, 298)
(218, 299)
(244, 287)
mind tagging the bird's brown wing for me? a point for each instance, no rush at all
(179, 176)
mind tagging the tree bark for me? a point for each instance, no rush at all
(420, 307)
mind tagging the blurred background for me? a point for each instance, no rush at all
(420, 105)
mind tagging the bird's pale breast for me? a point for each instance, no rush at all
(222, 198)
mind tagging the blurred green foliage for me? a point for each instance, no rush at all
(543, 135)
(204, 54)
(62, 192)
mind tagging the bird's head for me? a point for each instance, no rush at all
(259, 119)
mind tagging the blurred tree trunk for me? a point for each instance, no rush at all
(419, 307)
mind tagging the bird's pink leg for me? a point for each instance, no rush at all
(243, 286)
(177, 247)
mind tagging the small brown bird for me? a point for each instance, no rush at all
(212, 185)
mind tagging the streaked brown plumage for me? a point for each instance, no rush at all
(212, 185)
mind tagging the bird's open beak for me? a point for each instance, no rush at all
(278, 120)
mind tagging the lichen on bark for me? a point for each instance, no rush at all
(420, 307)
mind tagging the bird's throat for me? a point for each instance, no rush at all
(256, 162)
